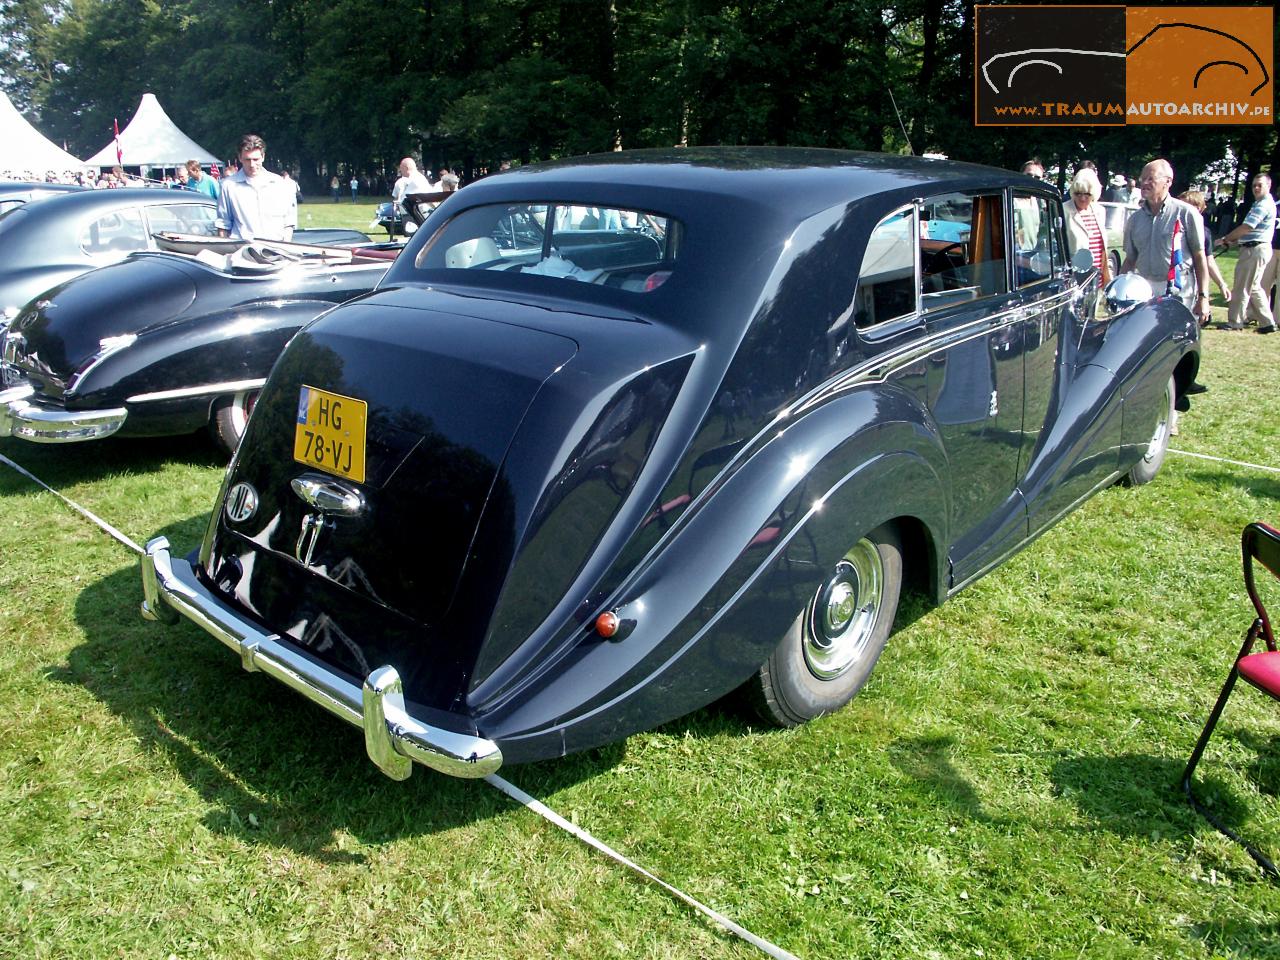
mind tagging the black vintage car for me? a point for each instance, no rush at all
(49, 240)
(616, 436)
(169, 342)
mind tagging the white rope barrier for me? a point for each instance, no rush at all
(493, 780)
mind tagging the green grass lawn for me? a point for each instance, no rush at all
(323, 212)
(1005, 786)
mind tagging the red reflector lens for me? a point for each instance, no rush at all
(655, 280)
(607, 624)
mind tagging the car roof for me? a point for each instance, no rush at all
(10, 187)
(758, 175)
(87, 201)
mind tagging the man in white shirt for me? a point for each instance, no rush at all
(255, 204)
(411, 180)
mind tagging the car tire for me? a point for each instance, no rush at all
(230, 417)
(835, 641)
(1115, 264)
(1145, 470)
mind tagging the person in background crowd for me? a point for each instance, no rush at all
(1225, 214)
(179, 178)
(1248, 300)
(411, 181)
(1148, 241)
(199, 182)
(1197, 200)
(297, 187)
(355, 187)
(1085, 221)
(1114, 186)
(1130, 196)
(1034, 168)
(448, 180)
(334, 187)
(255, 203)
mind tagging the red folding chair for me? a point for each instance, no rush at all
(1262, 670)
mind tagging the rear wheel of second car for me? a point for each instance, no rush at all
(834, 643)
(230, 417)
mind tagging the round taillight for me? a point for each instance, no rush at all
(607, 624)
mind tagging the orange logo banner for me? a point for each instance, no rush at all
(1113, 65)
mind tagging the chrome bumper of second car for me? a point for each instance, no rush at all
(393, 738)
(21, 418)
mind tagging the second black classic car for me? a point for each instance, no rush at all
(166, 343)
(616, 436)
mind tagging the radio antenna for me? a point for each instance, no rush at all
(901, 125)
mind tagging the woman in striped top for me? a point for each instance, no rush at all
(1085, 220)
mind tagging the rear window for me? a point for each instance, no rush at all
(630, 250)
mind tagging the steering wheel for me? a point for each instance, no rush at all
(940, 260)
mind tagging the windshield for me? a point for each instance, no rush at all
(628, 250)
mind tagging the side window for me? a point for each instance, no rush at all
(962, 249)
(120, 231)
(188, 218)
(887, 280)
(1037, 232)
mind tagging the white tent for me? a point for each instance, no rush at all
(151, 139)
(23, 148)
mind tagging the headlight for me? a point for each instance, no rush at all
(1125, 291)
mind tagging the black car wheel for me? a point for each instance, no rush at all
(830, 650)
(1115, 264)
(230, 416)
(1145, 470)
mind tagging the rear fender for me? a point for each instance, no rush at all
(223, 347)
(715, 597)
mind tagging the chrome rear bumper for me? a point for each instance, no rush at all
(393, 738)
(21, 418)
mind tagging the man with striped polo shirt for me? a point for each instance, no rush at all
(1248, 299)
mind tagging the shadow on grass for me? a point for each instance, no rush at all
(1259, 487)
(271, 767)
(927, 762)
(1136, 795)
(62, 463)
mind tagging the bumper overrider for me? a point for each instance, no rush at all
(19, 417)
(393, 738)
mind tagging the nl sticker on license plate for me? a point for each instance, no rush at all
(329, 434)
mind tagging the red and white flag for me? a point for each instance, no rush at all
(119, 155)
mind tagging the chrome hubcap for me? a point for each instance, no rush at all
(843, 615)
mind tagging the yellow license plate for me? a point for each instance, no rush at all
(329, 434)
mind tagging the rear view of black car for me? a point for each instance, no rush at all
(617, 436)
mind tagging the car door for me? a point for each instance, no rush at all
(975, 379)
(934, 285)
(1070, 443)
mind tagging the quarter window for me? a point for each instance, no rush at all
(189, 218)
(887, 280)
(962, 249)
(120, 231)
(1036, 230)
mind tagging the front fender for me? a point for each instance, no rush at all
(714, 598)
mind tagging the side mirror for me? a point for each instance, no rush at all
(1126, 291)
(1081, 263)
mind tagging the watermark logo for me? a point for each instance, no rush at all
(1112, 66)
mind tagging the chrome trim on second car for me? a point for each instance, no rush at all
(210, 389)
(393, 736)
(28, 421)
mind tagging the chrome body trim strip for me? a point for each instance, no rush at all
(27, 421)
(212, 389)
(393, 737)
